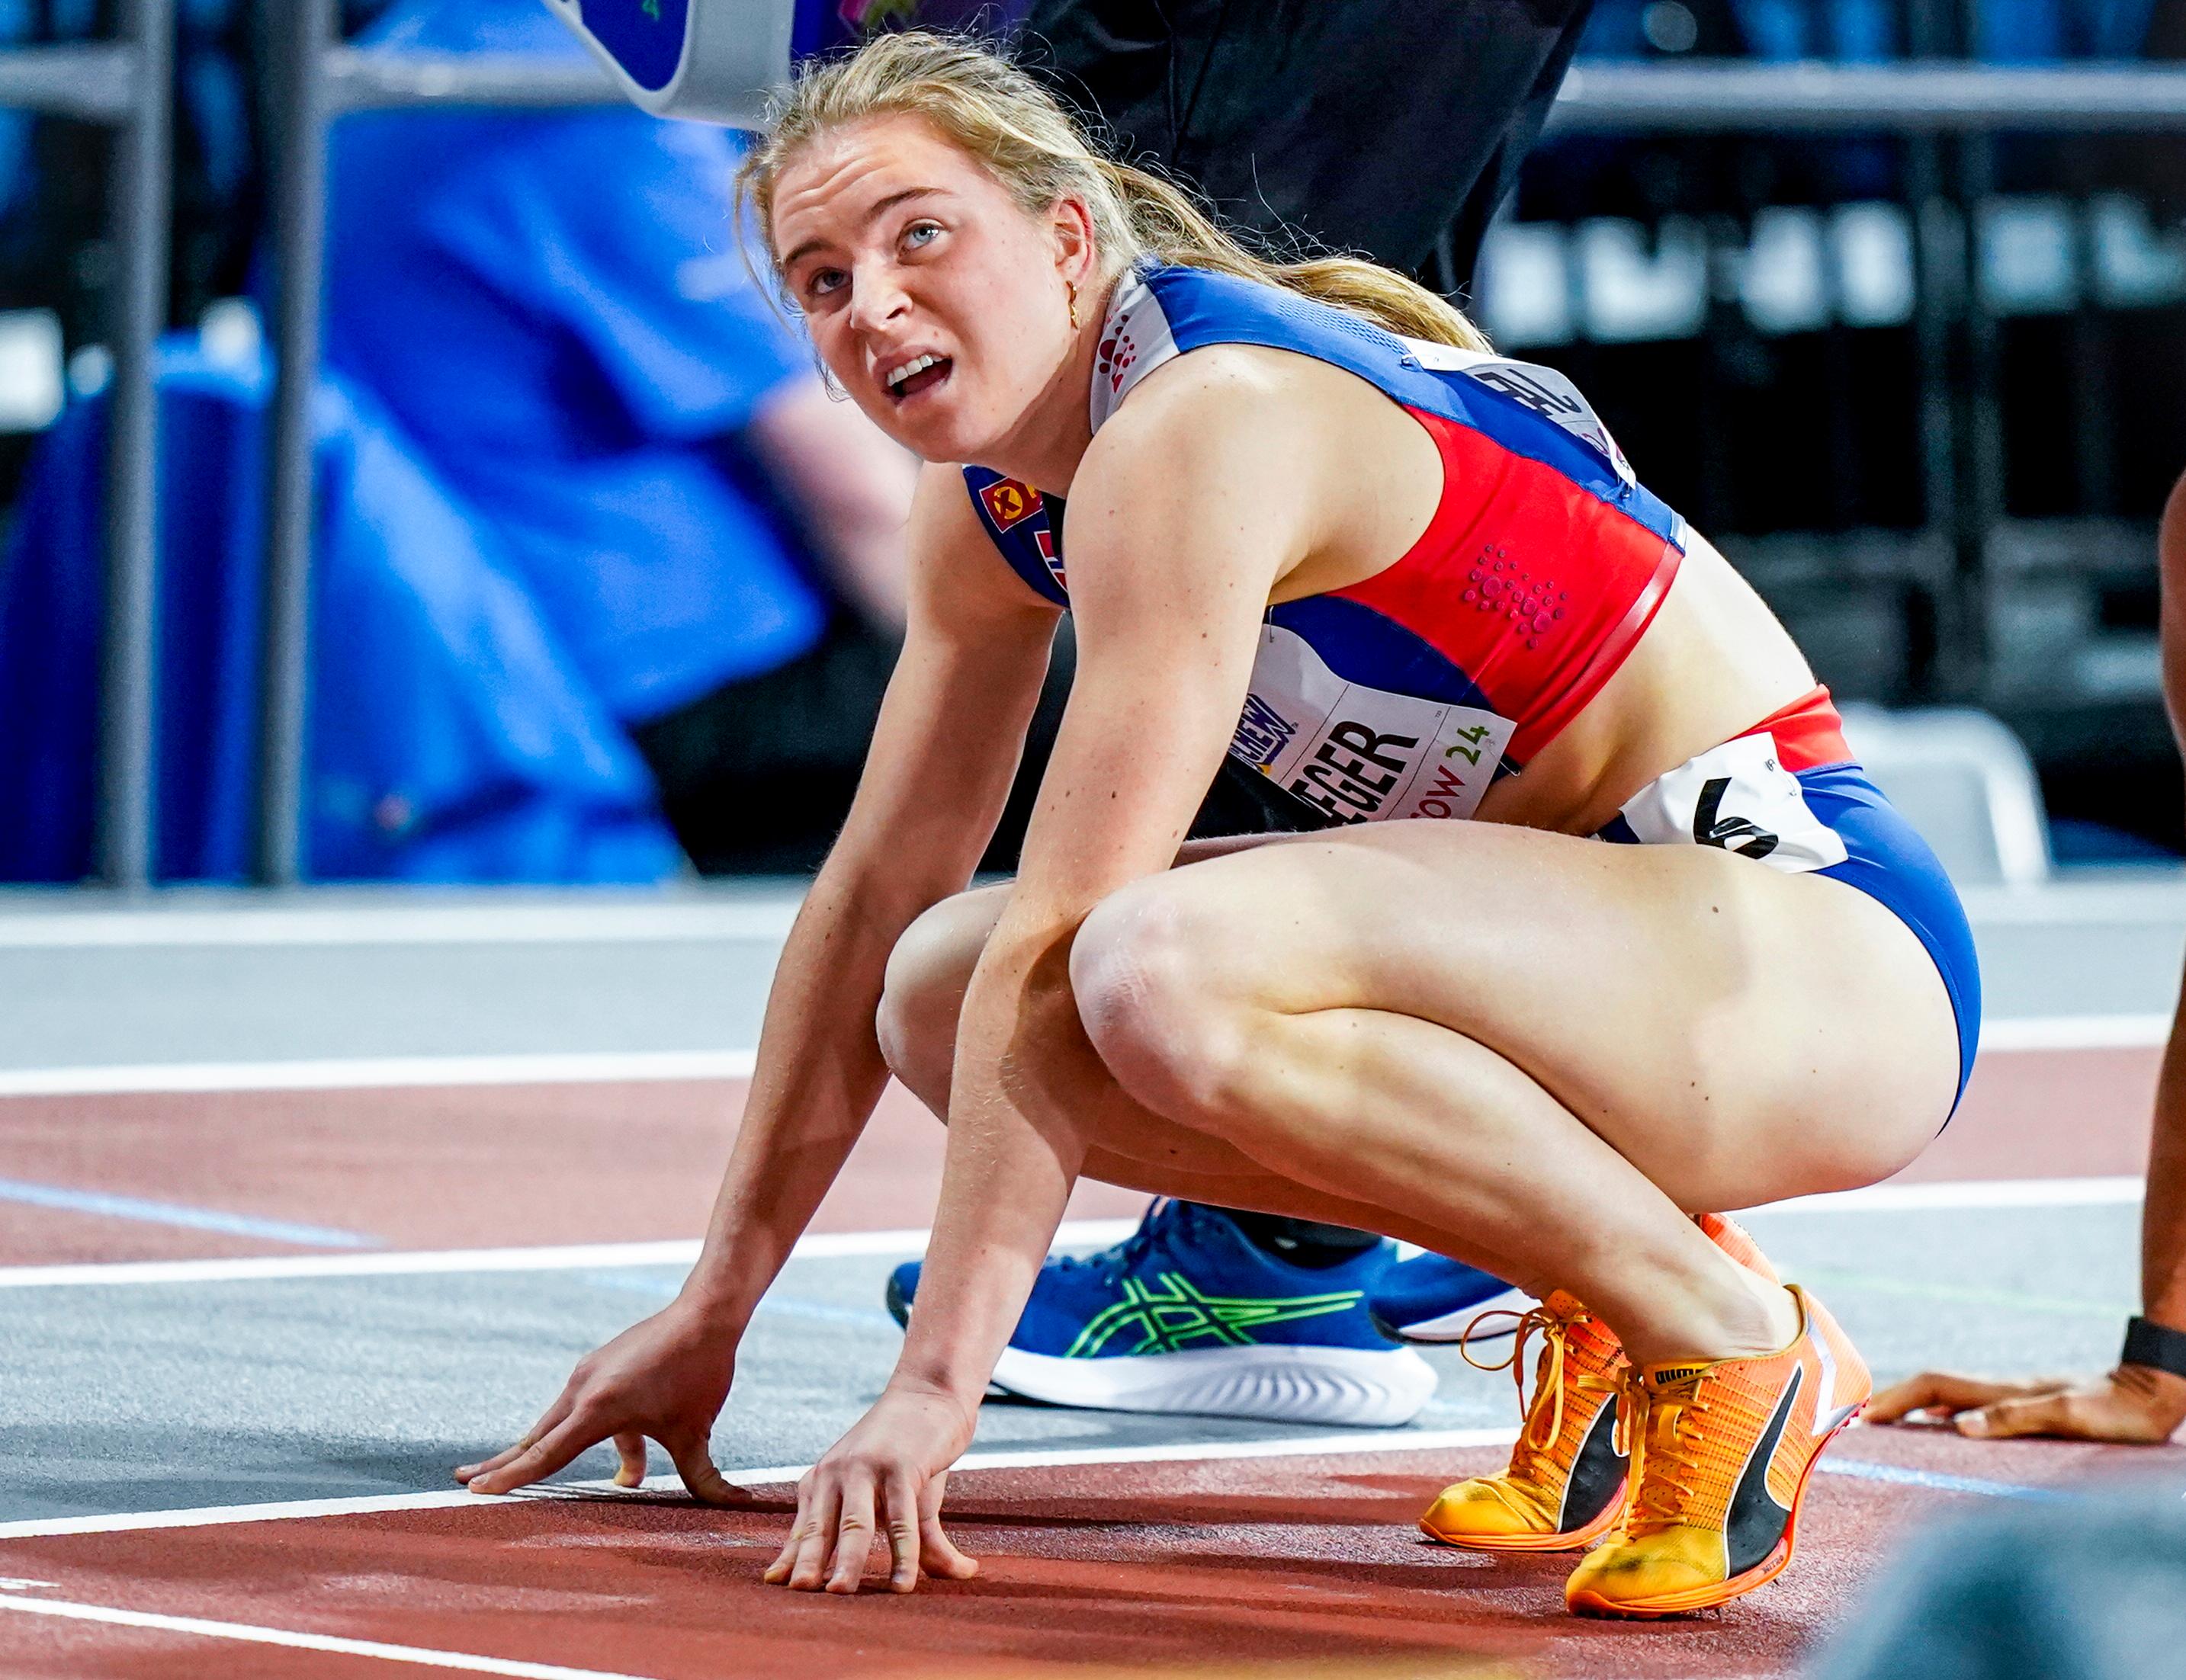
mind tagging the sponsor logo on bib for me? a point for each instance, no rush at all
(1262, 733)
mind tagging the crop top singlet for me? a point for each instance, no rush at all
(1406, 695)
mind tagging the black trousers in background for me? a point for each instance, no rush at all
(756, 776)
(1392, 128)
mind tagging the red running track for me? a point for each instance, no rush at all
(1299, 1565)
(1288, 1565)
(492, 1167)
(452, 1166)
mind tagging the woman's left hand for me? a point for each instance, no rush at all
(887, 1475)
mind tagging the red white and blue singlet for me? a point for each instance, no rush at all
(1409, 694)
(1406, 695)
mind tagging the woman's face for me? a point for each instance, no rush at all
(935, 302)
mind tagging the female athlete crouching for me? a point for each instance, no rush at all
(1315, 526)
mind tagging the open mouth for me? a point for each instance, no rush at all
(920, 373)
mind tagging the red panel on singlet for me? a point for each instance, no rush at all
(1534, 586)
(1808, 732)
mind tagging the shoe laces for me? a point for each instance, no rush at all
(1661, 1431)
(1113, 1262)
(1535, 1440)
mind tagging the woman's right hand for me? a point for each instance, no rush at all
(664, 1378)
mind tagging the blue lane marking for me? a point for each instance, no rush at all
(1945, 1484)
(168, 1213)
(827, 1312)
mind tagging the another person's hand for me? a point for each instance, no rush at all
(885, 1477)
(664, 1378)
(2131, 1403)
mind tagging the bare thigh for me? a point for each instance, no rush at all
(927, 975)
(1737, 1034)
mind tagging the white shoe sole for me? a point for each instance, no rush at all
(1366, 1388)
(1450, 1326)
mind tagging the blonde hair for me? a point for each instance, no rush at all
(1004, 120)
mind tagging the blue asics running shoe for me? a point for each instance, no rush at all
(1186, 1314)
(1431, 1299)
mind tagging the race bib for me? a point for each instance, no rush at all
(1362, 754)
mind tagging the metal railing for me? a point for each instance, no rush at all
(125, 85)
(316, 80)
(1900, 98)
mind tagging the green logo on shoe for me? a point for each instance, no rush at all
(1166, 1320)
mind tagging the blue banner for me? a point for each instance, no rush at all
(646, 37)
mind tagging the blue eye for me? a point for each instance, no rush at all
(825, 280)
(920, 233)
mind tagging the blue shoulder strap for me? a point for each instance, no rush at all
(1019, 519)
(1524, 410)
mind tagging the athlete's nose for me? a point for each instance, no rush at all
(877, 297)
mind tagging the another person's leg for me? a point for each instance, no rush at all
(1392, 127)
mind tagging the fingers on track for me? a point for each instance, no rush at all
(549, 1453)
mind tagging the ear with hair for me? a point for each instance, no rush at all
(1078, 242)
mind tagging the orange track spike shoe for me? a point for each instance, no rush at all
(1565, 1479)
(1567, 1470)
(1732, 1238)
(1723, 1452)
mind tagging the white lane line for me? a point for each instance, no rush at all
(275, 1510)
(2008, 1036)
(2015, 1034)
(264, 1268)
(770, 1475)
(1162, 1453)
(1888, 1198)
(603, 1067)
(783, 1475)
(578, 1257)
(407, 923)
(417, 1655)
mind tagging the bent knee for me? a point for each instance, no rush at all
(1161, 1009)
(923, 991)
